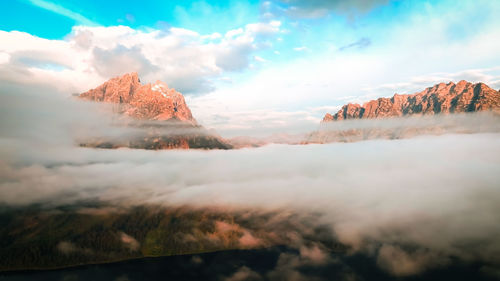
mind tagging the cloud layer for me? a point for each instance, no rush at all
(410, 203)
(89, 55)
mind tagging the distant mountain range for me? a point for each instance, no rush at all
(167, 122)
(445, 101)
(441, 98)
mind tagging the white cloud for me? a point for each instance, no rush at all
(234, 32)
(259, 122)
(300, 49)
(260, 59)
(264, 28)
(232, 53)
(184, 59)
(212, 36)
(4, 58)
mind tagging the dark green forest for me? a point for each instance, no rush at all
(40, 238)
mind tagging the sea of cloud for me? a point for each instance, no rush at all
(411, 203)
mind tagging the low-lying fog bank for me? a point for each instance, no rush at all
(412, 204)
(405, 127)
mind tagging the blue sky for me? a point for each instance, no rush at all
(279, 59)
(49, 19)
(55, 19)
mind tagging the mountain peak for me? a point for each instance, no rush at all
(441, 98)
(149, 102)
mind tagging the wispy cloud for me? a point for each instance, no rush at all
(361, 43)
(300, 49)
(58, 9)
(321, 8)
(260, 59)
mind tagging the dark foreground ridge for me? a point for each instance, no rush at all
(275, 263)
(38, 238)
(86, 242)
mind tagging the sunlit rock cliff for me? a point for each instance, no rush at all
(160, 113)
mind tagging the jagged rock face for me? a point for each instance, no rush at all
(441, 98)
(152, 102)
(149, 102)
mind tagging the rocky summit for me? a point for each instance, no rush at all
(148, 102)
(441, 98)
(160, 113)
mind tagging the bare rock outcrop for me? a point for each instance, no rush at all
(160, 113)
(440, 99)
(433, 111)
(147, 102)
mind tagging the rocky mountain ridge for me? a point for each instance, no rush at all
(147, 102)
(161, 113)
(441, 98)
